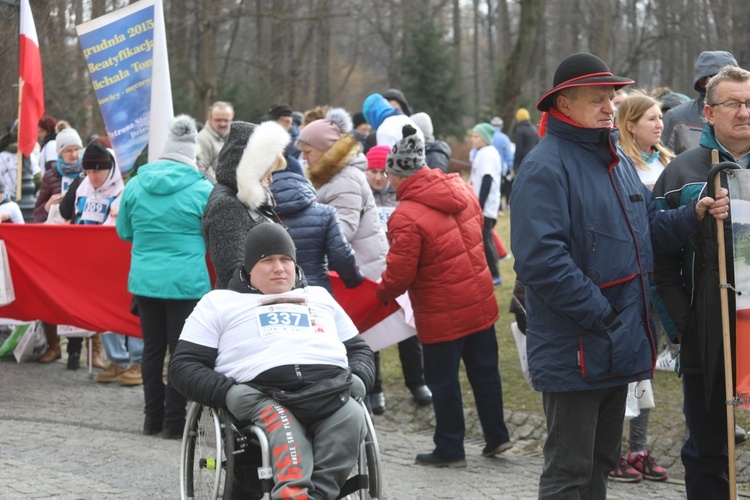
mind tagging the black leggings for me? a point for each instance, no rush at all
(161, 323)
(489, 246)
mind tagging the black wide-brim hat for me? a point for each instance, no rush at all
(581, 70)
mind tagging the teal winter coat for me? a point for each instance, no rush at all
(160, 213)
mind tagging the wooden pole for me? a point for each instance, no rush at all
(727, 341)
(19, 171)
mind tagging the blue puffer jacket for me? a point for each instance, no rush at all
(315, 230)
(584, 229)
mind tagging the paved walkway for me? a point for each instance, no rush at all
(64, 436)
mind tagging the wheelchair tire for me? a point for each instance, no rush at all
(207, 466)
(372, 455)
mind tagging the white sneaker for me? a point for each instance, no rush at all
(665, 361)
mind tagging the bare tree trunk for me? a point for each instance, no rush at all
(600, 28)
(491, 62)
(276, 64)
(475, 59)
(457, 35)
(323, 67)
(518, 64)
(207, 65)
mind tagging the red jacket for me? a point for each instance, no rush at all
(437, 254)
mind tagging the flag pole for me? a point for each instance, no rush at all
(19, 154)
(726, 337)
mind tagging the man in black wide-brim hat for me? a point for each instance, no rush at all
(581, 229)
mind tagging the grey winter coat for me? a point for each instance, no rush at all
(344, 186)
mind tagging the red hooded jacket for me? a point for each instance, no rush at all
(437, 254)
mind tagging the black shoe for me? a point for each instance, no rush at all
(430, 460)
(151, 429)
(171, 433)
(422, 395)
(491, 451)
(74, 360)
(377, 403)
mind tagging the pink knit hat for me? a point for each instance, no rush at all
(320, 134)
(376, 157)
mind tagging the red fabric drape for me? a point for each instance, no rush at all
(78, 275)
(70, 275)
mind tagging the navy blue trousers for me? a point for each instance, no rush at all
(441, 363)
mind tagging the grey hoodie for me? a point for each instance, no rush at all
(683, 124)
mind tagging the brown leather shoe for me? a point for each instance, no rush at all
(52, 353)
(111, 374)
(96, 349)
(132, 376)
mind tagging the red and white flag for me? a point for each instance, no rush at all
(30, 71)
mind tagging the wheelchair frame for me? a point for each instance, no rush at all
(211, 441)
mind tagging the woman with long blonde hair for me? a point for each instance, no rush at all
(639, 119)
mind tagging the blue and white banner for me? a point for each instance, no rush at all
(126, 55)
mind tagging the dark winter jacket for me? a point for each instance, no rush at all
(51, 184)
(191, 369)
(527, 136)
(683, 124)
(227, 219)
(584, 230)
(683, 278)
(315, 230)
(438, 155)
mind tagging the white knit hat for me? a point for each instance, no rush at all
(180, 145)
(66, 138)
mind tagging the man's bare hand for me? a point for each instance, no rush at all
(718, 207)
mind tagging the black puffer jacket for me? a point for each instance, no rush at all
(315, 230)
(191, 369)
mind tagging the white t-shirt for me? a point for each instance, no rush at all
(11, 208)
(48, 154)
(649, 177)
(487, 162)
(253, 334)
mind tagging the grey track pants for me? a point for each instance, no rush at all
(307, 463)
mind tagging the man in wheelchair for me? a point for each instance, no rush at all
(286, 357)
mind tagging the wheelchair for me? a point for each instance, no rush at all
(215, 448)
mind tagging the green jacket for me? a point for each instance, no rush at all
(160, 213)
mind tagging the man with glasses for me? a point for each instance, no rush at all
(680, 277)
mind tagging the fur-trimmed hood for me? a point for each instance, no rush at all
(335, 159)
(248, 153)
(263, 149)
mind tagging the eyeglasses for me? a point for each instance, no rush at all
(377, 172)
(732, 105)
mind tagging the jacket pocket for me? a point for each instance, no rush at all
(606, 253)
(619, 351)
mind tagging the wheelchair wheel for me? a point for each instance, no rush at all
(365, 482)
(207, 465)
(372, 456)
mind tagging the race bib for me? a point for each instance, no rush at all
(384, 213)
(94, 210)
(283, 319)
